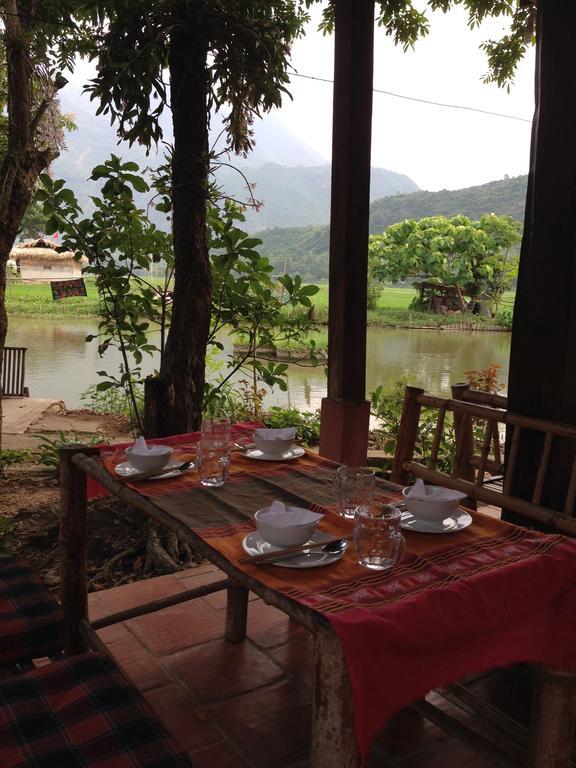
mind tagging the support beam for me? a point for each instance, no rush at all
(345, 412)
(542, 378)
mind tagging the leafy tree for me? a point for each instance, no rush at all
(219, 54)
(472, 255)
(121, 243)
(28, 90)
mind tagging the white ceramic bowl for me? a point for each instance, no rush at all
(154, 459)
(429, 510)
(284, 535)
(271, 447)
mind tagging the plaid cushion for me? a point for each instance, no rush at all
(31, 619)
(79, 713)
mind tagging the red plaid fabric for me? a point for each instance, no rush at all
(64, 289)
(31, 619)
(81, 713)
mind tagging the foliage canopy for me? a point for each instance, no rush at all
(473, 255)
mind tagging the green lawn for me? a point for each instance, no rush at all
(31, 300)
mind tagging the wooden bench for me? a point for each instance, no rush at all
(13, 370)
(81, 711)
(477, 464)
(75, 711)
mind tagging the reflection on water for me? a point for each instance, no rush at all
(60, 365)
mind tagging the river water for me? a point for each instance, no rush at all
(61, 365)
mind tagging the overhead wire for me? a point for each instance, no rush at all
(423, 101)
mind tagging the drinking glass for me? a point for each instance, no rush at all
(378, 537)
(216, 431)
(355, 486)
(213, 462)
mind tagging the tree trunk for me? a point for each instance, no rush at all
(23, 162)
(542, 379)
(183, 363)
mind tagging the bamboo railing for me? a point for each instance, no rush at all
(473, 469)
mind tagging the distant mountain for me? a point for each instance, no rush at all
(305, 249)
(298, 196)
(289, 178)
(504, 197)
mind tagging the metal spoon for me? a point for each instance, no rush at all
(158, 473)
(335, 546)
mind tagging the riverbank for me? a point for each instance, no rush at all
(392, 311)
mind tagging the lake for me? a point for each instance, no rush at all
(61, 365)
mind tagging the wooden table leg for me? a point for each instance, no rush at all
(553, 718)
(236, 614)
(73, 549)
(333, 743)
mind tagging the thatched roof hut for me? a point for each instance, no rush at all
(45, 260)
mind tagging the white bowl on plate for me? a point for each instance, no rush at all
(270, 445)
(291, 529)
(151, 459)
(431, 510)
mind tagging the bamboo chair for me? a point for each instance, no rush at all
(476, 464)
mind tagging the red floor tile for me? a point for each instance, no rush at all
(269, 627)
(179, 627)
(137, 662)
(296, 658)
(221, 755)
(140, 592)
(220, 670)
(183, 717)
(270, 726)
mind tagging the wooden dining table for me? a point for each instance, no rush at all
(485, 595)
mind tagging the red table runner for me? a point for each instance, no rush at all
(486, 596)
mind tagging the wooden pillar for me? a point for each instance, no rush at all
(345, 412)
(553, 714)
(464, 432)
(73, 544)
(236, 614)
(542, 378)
(333, 742)
(407, 435)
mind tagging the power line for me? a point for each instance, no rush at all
(423, 101)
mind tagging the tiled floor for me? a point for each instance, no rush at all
(246, 705)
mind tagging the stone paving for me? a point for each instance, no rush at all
(245, 705)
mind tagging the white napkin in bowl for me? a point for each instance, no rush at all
(281, 515)
(433, 492)
(288, 433)
(141, 447)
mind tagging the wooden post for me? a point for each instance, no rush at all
(464, 437)
(236, 614)
(542, 377)
(73, 543)
(553, 716)
(345, 412)
(407, 434)
(333, 744)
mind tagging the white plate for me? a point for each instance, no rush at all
(455, 522)
(125, 469)
(293, 453)
(254, 544)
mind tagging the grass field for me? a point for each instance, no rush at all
(35, 300)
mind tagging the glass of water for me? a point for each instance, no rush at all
(378, 537)
(354, 486)
(213, 462)
(216, 431)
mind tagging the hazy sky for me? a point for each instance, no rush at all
(438, 147)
